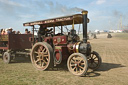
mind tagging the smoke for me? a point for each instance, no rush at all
(117, 13)
(14, 13)
(57, 8)
(119, 19)
(35, 8)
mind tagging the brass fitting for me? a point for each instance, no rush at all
(84, 12)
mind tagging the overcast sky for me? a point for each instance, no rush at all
(103, 14)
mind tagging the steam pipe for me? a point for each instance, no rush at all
(84, 13)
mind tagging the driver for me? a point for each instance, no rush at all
(73, 36)
(41, 32)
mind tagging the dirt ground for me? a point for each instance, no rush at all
(113, 71)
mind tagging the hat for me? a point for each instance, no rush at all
(10, 28)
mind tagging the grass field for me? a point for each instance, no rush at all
(113, 71)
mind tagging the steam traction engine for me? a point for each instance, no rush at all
(51, 49)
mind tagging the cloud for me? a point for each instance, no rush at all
(8, 2)
(100, 2)
(26, 16)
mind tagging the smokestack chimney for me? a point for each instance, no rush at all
(84, 13)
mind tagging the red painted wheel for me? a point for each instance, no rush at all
(77, 64)
(42, 56)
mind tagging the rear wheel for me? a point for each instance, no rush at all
(6, 57)
(42, 56)
(77, 64)
(94, 61)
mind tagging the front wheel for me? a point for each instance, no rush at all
(77, 64)
(94, 61)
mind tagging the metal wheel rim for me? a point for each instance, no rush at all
(93, 61)
(77, 65)
(41, 57)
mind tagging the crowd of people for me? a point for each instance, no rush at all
(10, 31)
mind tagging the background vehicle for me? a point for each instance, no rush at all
(12, 45)
(51, 49)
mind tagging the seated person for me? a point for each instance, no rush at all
(72, 36)
(48, 32)
(14, 32)
(41, 32)
(9, 31)
(29, 32)
(3, 32)
(26, 31)
(18, 32)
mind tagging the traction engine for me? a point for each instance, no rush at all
(54, 50)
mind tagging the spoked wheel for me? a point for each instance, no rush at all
(6, 57)
(42, 56)
(94, 61)
(77, 64)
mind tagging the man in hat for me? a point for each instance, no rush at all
(10, 30)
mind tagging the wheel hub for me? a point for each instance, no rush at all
(76, 64)
(92, 60)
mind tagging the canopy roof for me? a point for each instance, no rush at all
(59, 21)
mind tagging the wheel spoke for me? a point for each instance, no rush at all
(44, 61)
(92, 56)
(95, 63)
(46, 58)
(81, 67)
(45, 52)
(40, 63)
(72, 60)
(41, 48)
(38, 49)
(74, 68)
(95, 60)
(37, 56)
(80, 70)
(82, 63)
(73, 64)
(37, 60)
(80, 60)
(45, 55)
(91, 64)
(36, 52)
